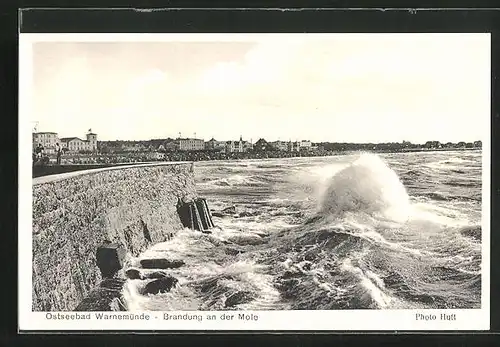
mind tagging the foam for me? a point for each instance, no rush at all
(367, 185)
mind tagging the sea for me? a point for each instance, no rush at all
(358, 231)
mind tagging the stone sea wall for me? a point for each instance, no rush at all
(74, 213)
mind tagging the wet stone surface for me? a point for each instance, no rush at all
(104, 297)
(161, 263)
(161, 285)
(133, 274)
(155, 274)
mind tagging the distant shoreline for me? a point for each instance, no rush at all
(411, 150)
(132, 157)
(52, 168)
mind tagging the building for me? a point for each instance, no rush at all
(191, 144)
(280, 145)
(214, 145)
(92, 140)
(239, 146)
(305, 145)
(247, 146)
(297, 146)
(47, 139)
(234, 146)
(75, 144)
(293, 146)
(186, 144)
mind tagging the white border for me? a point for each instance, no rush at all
(345, 320)
(229, 37)
(25, 200)
(486, 201)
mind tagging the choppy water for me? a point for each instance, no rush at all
(345, 232)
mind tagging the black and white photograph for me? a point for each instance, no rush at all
(187, 174)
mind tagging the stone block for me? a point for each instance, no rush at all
(110, 259)
(133, 274)
(161, 285)
(161, 263)
(104, 297)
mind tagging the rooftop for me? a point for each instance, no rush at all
(188, 138)
(67, 139)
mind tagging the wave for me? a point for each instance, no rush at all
(456, 160)
(455, 183)
(474, 232)
(359, 268)
(234, 180)
(454, 163)
(365, 219)
(437, 196)
(367, 185)
(413, 173)
(344, 233)
(242, 180)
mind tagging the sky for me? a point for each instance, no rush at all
(336, 88)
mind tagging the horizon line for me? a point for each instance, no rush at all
(259, 138)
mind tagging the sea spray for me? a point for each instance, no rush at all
(367, 185)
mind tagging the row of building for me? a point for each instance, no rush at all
(49, 141)
(238, 146)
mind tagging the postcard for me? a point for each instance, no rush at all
(256, 182)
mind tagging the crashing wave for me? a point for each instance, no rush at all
(367, 185)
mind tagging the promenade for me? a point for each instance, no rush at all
(97, 161)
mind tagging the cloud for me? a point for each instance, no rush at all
(262, 65)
